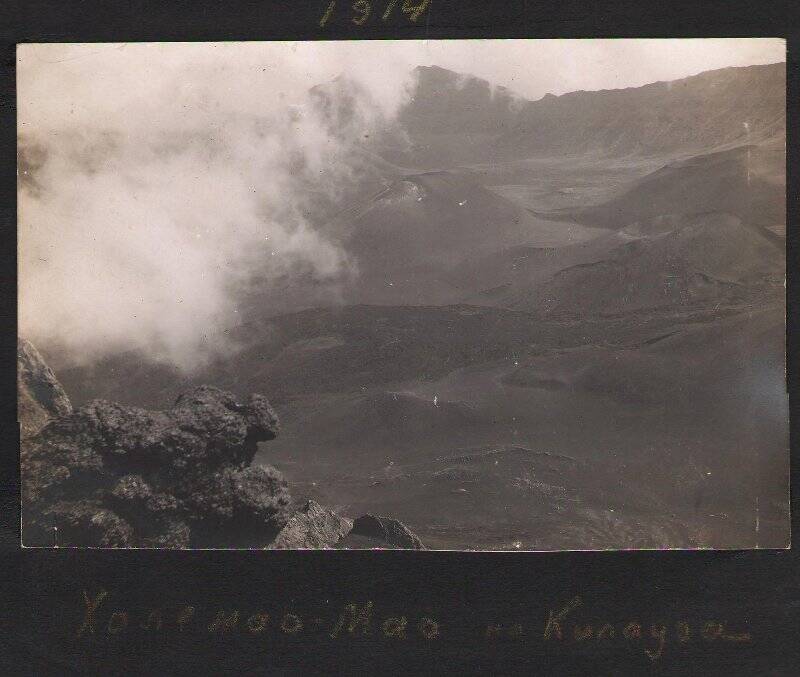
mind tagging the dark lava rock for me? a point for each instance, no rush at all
(108, 475)
(40, 396)
(370, 531)
(312, 526)
(112, 476)
(86, 523)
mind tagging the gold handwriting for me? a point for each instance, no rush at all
(363, 10)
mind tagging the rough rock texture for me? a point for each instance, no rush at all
(370, 531)
(312, 526)
(113, 476)
(40, 396)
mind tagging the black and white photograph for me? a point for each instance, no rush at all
(466, 295)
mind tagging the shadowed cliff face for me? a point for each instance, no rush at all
(40, 396)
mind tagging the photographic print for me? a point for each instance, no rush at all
(502, 295)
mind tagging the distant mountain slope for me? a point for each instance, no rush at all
(702, 112)
(455, 119)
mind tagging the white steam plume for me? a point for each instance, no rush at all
(156, 179)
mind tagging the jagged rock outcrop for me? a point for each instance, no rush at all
(371, 531)
(315, 527)
(40, 396)
(113, 476)
(107, 475)
(312, 526)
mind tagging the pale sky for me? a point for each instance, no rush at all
(535, 67)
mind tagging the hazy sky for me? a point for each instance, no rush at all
(158, 175)
(71, 80)
(536, 67)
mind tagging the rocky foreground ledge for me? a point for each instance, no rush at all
(106, 475)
